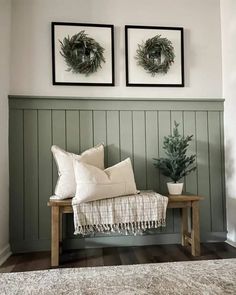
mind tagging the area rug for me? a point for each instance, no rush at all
(196, 277)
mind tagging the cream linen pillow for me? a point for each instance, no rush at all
(66, 185)
(93, 183)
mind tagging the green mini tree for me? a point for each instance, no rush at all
(177, 164)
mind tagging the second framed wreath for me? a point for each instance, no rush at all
(154, 56)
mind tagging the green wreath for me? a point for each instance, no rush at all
(150, 55)
(82, 54)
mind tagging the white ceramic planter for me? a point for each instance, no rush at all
(175, 188)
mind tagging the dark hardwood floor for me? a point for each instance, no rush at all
(117, 256)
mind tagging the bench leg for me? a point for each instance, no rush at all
(55, 224)
(60, 233)
(195, 229)
(184, 226)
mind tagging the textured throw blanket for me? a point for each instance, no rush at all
(128, 214)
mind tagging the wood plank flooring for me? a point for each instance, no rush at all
(117, 256)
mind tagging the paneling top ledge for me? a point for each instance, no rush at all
(105, 103)
(12, 96)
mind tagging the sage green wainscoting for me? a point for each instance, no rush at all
(129, 128)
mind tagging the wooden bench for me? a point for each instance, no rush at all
(59, 207)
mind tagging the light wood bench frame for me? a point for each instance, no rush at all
(60, 207)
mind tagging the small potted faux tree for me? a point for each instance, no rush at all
(177, 164)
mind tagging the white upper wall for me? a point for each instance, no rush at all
(31, 44)
(228, 21)
(5, 35)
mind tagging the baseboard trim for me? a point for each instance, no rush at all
(5, 253)
(111, 241)
(231, 243)
(139, 240)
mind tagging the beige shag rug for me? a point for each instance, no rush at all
(196, 277)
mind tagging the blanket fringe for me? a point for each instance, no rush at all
(128, 228)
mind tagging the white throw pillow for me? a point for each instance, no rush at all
(93, 183)
(66, 185)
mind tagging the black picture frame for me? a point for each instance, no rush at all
(81, 82)
(156, 29)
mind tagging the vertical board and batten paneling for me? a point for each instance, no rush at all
(152, 149)
(100, 131)
(16, 162)
(72, 125)
(72, 131)
(223, 200)
(44, 164)
(177, 116)
(164, 126)
(203, 171)
(189, 124)
(99, 125)
(59, 138)
(215, 169)
(31, 175)
(58, 135)
(139, 145)
(128, 128)
(113, 137)
(86, 130)
(126, 135)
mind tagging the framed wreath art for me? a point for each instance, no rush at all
(154, 56)
(82, 54)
